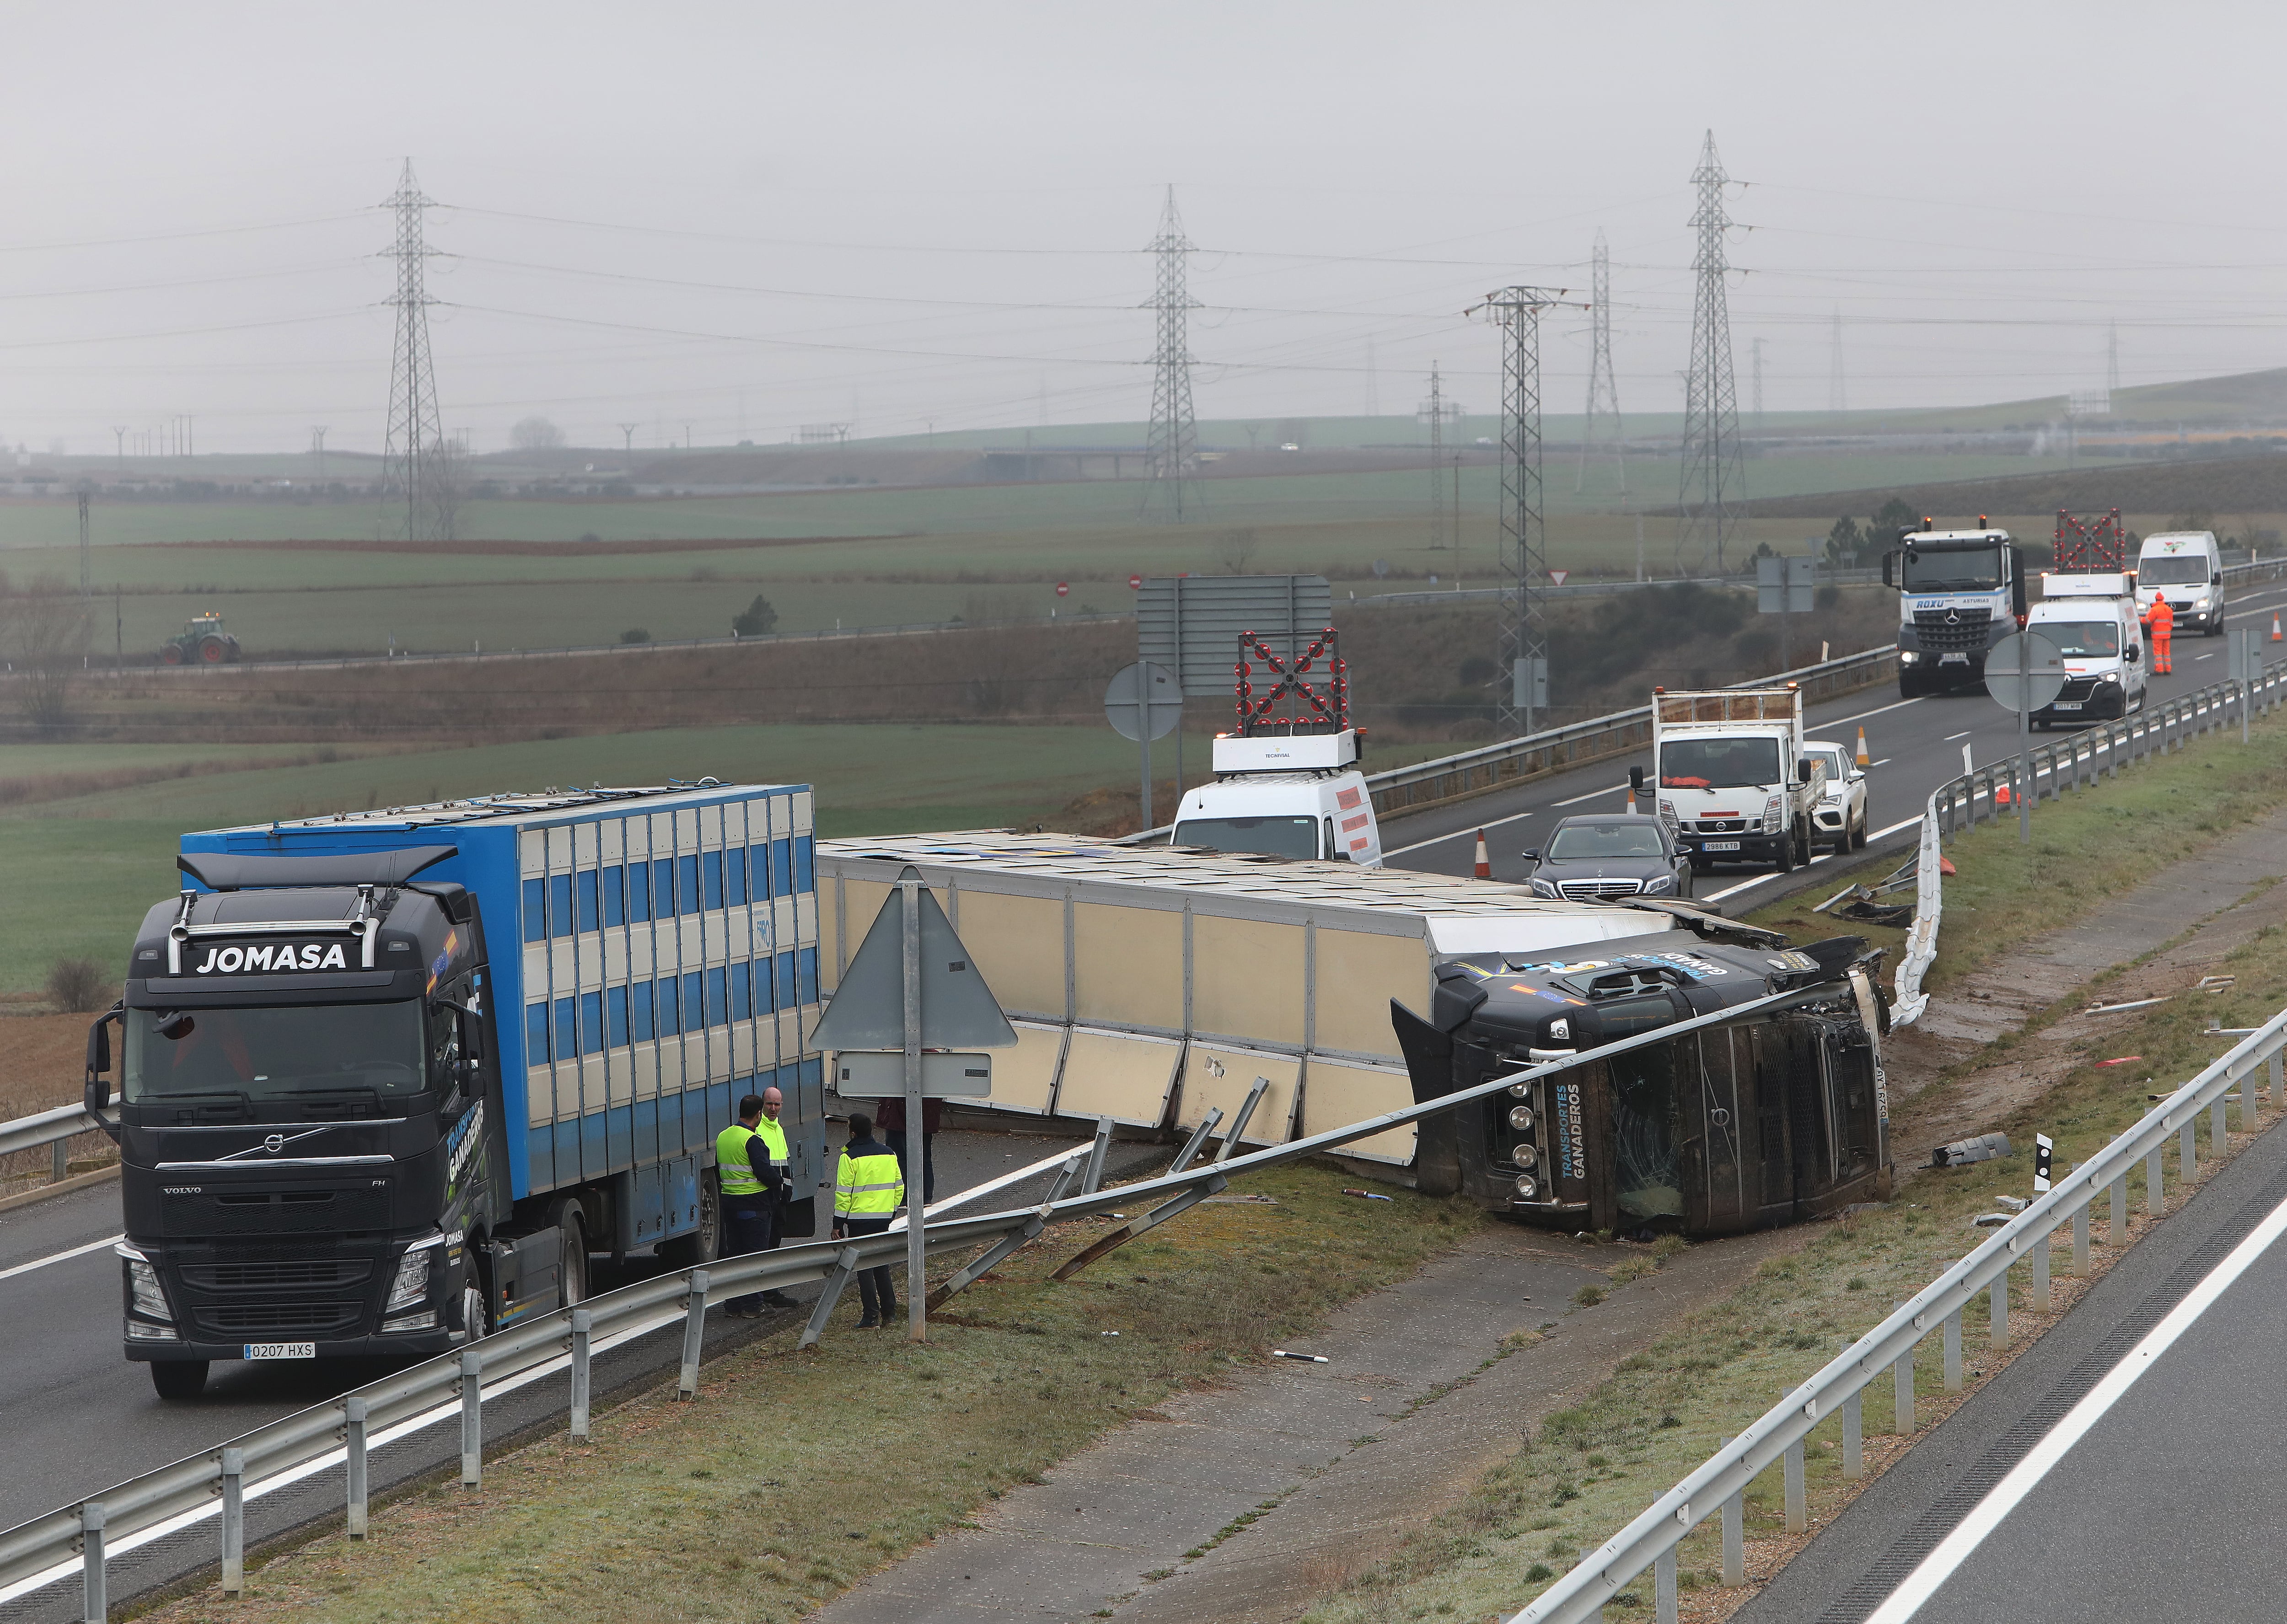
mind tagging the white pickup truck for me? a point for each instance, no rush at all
(1734, 778)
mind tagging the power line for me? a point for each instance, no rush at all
(1838, 397)
(1713, 487)
(1171, 489)
(416, 460)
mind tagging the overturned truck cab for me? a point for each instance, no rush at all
(1779, 1116)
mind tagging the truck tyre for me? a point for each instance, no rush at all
(213, 651)
(704, 1244)
(476, 1310)
(178, 1378)
(171, 654)
(572, 1268)
(1786, 853)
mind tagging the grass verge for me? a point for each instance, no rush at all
(2087, 846)
(1591, 1469)
(795, 1474)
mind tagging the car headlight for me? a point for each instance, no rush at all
(413, 1270)
(1524, 1155)
(1527, 1186)
(1520, 1117)
(1666, 881)
(144, 1292)
(1544, 888)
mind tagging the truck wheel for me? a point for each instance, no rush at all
(571, 1268)
(476, 1315)
(213, 651)
(171, 654)
(704, 1244)
(1786, 853)
(178, 1378)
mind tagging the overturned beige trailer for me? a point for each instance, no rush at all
(1152, 986)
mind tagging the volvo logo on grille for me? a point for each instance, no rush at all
(274, 1142)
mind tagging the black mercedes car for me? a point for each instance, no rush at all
(1605, 855)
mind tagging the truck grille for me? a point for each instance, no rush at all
(1966, 633)
(258, 1276)
(304, 1318)
(1578, 890)
(273, 1212)
(1720, 826)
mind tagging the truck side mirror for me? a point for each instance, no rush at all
(1887, 558)
(1804, 768)
(98, 1092)
(1635, 779)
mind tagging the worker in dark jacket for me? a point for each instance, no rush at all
(867, 1191)
(743, 1177)
(889, 1117)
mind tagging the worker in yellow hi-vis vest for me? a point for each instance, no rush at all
(867, 1191)
(743, 1179)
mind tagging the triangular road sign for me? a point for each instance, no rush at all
(868, 1011)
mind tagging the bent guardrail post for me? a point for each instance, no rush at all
(353, 1462)
(1095, 1156)
(583, 1324)
(473, 1418)
(978, 1267)
(1174, 1206)
(694, 1335)
(94, 1608)
(1239, 1123)
(233, 1522)
(845, 1264)
(1199, 1138)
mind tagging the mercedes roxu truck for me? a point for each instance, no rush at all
(386, 1081)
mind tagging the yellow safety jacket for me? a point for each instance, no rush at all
(733, 1170)
(774, 1134)
(868, 1184)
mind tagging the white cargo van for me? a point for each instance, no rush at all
(2092, 619)
(1289, 795)
(2187, 567)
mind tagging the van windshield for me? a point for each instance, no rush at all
(1718, 764)
(1975, 569)
(2176, 569)
(2082, 639)
(1279, 836)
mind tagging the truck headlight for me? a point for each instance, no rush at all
(1907, 656)
(1544, 888)
(1667, 810)
(1520, 1117)
(2111, 676)
(411, 1282)
(1527, 1186)
(1524, 1155)
(1653, 887)
(1522, 1090)
(144, 1292)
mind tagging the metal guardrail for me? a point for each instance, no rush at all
(1650, 1540)
(80, 1537)
(54, 1128)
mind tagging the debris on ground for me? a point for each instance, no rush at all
(2101, 1007)
(1368, 1195)
(1984, 1147)
(2121, 1060)
(1301, 1359)
(2014, 1203)
(1990, 1220)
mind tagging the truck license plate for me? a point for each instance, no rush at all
(2066, 704)
(1954, 659)
(1719, 846)
(281, 1350)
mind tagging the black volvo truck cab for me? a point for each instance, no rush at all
(1780, 1116)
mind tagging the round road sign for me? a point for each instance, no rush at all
(1143, 695)
(1063, 590)
(2040, 679)
(1135, 584)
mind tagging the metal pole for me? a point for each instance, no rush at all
(916, 1147)
(2040, 1244)
(1095, 1156)
(2081, 1214)
(1902, 1373)
(94, 1609)
(353, 1458)
(2187, 1148)
(473, 1418)
(1663, 1585)
(2024, 735)
(1145, 710)
(582, 1325)
(1734, 1541)
(2117, 1234)
(1953, 1351)
(2218, 1135)
(694, 1333)
(1798, 1507)
(2155, 1200)
(1997, 1298)
(233, 1522)
(1853, 1435)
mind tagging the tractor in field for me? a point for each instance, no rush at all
(202, 641)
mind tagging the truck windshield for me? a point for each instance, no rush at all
(1280, 837)
(1977, 569)
(2082, 639)
(273, 1053)
(1718, 764)
(1635, 838)
(2180, 569)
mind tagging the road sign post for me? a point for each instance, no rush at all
(2023, 672)
(1143, 701)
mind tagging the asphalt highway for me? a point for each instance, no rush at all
(1915, 745)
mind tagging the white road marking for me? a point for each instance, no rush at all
(42, 1263)
(1877, 710)
(1872, 764)
(2005, 1496)
(1594, 795)
(2197, 658)
(1964, 733)
(1468, 834)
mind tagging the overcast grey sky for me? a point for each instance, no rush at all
(744, 218)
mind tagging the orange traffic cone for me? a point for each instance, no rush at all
(1484, 860)
(1864, 760)
(2275, 638)
(2000, 795)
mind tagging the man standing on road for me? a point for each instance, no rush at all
(777, 1186)
(2164, 627)
(868, 1191)
(741, 1174)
